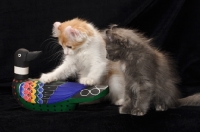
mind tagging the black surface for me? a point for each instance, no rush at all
(174, 25)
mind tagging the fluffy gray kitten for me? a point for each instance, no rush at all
(150, 75)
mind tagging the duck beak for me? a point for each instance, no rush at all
(32, 55)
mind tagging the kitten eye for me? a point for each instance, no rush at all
(69, 47)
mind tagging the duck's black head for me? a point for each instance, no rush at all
(21, 62)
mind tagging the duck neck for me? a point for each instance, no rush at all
(21, 72)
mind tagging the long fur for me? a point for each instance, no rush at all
(150, 75)
(193, 100)
(85, 58)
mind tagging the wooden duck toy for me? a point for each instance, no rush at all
(56, 96)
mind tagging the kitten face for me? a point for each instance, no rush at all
(112, 51)
(72, 34)
(114, 45)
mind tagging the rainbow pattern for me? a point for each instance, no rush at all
(32, 91)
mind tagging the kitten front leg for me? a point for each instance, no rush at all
(142, 103)
(129, 100)
(126, 107)
(63, 71)
(95, 74)
(47, 78)
(143, 96)
(87, 81)
(139, 99)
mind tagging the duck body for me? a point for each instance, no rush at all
(56, 96)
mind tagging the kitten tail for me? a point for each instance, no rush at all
(193, 100)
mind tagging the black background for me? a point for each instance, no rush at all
(174, 26)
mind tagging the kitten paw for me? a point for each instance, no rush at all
(124, 110)
(119, 102)
(137, 112)
(45, 78)
(161, 107)
(87, 81)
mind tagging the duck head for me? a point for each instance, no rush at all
(21, 62)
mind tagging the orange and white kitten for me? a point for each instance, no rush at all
(85, 58)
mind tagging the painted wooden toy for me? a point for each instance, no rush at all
(56, 96)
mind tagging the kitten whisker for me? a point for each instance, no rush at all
(57, 57)
(58, 53)
(49, 39)
(54, 45)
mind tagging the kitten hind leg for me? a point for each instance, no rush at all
(163, 101)
(159, 102)
(161, 107)
(166, 98)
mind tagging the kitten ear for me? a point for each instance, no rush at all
(108, 32)
(56, 30)
(75, 34)
(112, 26)
(109, 35)
(117, 38)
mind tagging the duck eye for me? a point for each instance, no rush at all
(69, 47)
(19, 55)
